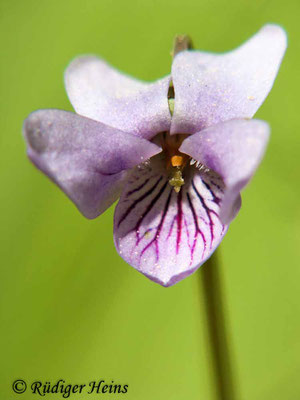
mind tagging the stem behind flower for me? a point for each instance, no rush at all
(212, 287)
(181, 43)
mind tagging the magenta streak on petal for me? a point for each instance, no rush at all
(188, 235)
(171, 227)
(154, 240)
(208, 211)
(179, 220)
(197, 230)
(138, 200)
(162, 189)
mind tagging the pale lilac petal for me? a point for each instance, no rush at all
(85, 158)
(165, 235)
(233, 149)
(98, 91)
(210, 88)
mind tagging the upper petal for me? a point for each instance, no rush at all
(85, 158)
(98, 91)
(165, 235)
(210, 88)
(234, 150)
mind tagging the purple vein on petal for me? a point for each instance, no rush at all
(171, 227)
(208, 212)
(166, 234)
(132, 206)
(197, 230)
(179, 220)
(215, 198)
(187, 231)
(217, 186)
(138, 188)
(156, 236)
(148, 209)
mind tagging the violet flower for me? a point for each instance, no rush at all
(177, 170)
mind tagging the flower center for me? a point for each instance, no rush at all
(175, 160)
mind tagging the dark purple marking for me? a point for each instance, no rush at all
(216, 185)
(215, 198)
(208, 211)
(154, 240)
(148, 209)
(137, 188)
(179, 220)
(197, 229)
(127, 212)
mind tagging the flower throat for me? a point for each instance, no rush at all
(175, 160)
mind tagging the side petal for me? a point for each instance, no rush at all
(165, 235)
(98, 91)
(211, 88)
(85, 158)
(233, 150)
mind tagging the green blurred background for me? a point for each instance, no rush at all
(71, 308)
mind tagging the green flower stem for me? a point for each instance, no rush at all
(211, 285)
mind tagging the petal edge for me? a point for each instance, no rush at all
(211, 88)
(233, 149)
(100, 92)
(85, 158)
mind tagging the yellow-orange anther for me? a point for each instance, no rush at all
(177, 161)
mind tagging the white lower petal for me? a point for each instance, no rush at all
(166, 235)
